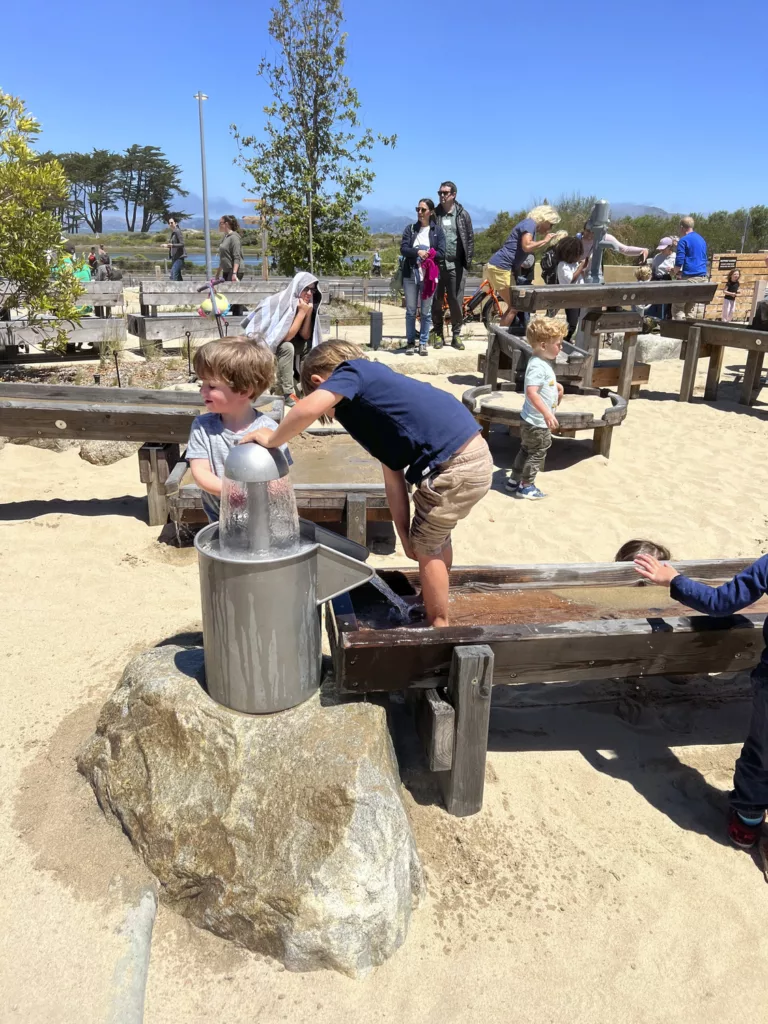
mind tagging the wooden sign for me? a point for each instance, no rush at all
(726, 263)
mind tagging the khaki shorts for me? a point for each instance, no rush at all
(448, 495)
(499, 278)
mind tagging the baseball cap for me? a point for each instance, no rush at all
(666, 240)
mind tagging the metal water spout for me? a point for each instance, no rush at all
(598, 223)
(263, 580)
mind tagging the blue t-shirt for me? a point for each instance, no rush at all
(692, 255)
(402, 422)
(512, 254)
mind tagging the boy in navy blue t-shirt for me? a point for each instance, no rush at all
(749, 799)
(421, 435)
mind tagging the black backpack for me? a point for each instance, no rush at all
(549, 266)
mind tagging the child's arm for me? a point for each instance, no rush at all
(302, 415)
(397, 499)
(560, 392)
(204, 476)
(740, 592)
(533, 396)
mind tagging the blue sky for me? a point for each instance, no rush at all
(647, 102)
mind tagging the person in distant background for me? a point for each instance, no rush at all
(104, 256)
(231, 262)
(506, 261)
(176, 250)
(376, 264)
(93, 261)
(459, 250)
(662, 266)
(690, 264)
(571, 267)
(729, 299)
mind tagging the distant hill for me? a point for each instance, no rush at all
(619, 210)
(393, 221)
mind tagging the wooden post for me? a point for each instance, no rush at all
(590, 343)
(492, 355)
(601, 441)
(469, 687)
(627, 365)
(435, 724)
(751, 377)
(357, 517)
(715, 368)
(693, 343)
(155, 464)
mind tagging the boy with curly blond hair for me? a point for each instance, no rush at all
(542, 396)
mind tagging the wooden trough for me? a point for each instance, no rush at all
(527, 626)
(484, 404)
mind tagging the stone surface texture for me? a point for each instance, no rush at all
(285, 833)
(51, 444)
(105, 453)
(651, 348)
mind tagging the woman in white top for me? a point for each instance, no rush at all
(420, 239)
(661, 270)
(571, 267)
(611, 242)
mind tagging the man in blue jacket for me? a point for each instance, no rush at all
(690, 264)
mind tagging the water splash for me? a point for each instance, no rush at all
(401, 610)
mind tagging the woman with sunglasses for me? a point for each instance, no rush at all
(423, 240)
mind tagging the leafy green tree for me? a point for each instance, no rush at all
(149, 182)
(313, 163)
(30, 234)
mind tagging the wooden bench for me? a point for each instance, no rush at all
(152, 328)
(705, 338)
(17, 337)
(450, 671)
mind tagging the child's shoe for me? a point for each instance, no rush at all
(422, 348)
(741, 834)
(290, 400)
(512, 484)
(530, 491)
(410, 348)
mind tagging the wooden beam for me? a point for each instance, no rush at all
(593, 296)
(357, 521)
(714, 370)
(751, 376)
(627, 365)
(469, 686)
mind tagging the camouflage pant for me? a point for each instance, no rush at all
(535, 442)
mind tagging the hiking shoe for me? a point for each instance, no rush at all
(437, 341)
(742, 835)
(290, 400)
(422, 348)
(512, 485)
(410, 349)
(457, 343)
(530, 491)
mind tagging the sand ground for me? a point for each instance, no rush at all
(595, 886)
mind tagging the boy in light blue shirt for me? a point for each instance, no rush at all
(542, 396)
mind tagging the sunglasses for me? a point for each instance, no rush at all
(445, 193)
(423, 209)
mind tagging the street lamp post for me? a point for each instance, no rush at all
(200, 96)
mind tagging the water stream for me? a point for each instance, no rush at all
(401, 610)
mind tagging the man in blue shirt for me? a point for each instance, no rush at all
(690, 264)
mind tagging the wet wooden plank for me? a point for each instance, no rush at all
(435, 724)
(593, 296)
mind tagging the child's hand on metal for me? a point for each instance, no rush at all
(262, 436)
(654, 570)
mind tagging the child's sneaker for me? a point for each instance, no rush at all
(530, 491)
(512, 484)
(423, 348)
(410, 348)
(741, 834)
(290, 400)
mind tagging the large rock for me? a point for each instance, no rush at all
(105, 453)
(51, 444)
(284, 832)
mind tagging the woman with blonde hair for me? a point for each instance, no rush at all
(504, 265)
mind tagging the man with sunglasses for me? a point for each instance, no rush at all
(459, 250)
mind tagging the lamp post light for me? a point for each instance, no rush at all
(200, 96)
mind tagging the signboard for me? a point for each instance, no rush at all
(726, 263)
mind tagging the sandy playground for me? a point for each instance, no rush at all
(595, 886)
